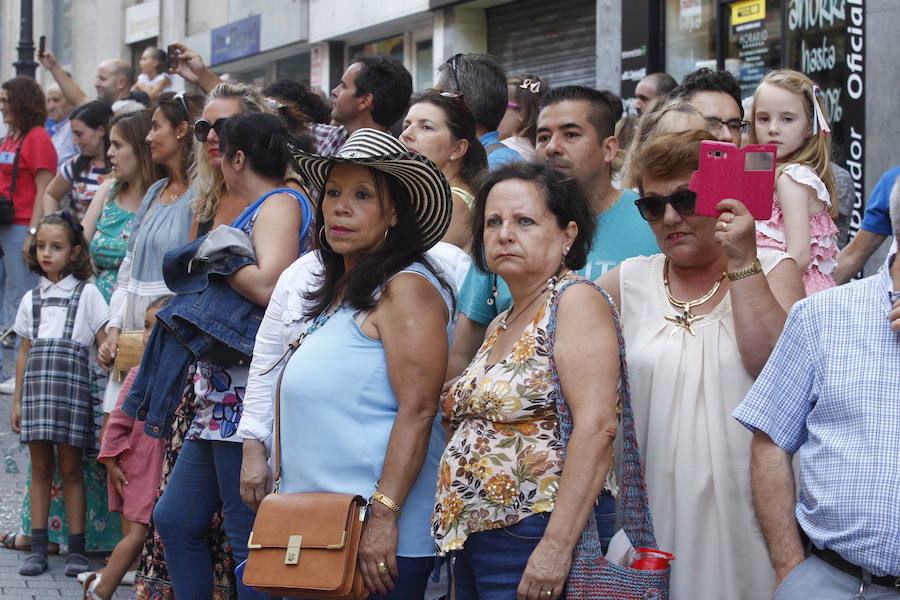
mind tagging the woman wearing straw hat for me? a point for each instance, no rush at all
(359, 397)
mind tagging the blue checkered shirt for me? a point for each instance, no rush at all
(831, 393)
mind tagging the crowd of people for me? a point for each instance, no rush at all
(428, 300)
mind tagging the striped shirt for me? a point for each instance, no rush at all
(84, 185)
(830, 392)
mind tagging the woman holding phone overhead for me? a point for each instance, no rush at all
(699, 321)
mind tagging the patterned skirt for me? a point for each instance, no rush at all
(152, 581)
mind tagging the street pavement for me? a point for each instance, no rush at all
(53, 583)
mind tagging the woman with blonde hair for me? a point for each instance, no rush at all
(787, 112)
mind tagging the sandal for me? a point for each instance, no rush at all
(9, 542)
(90, 587)
(9, 538)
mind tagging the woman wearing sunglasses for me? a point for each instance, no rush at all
(699, 322)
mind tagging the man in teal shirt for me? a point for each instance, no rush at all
(575, 134)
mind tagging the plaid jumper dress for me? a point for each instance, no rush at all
(56, 399)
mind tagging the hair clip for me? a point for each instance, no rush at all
(275, 104)
(819, 122)
(67, 217)
(532, 85)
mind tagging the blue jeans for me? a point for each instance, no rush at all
(206, 476)
(605, 513)
(410, 585)
(15, 278)
(491, 564)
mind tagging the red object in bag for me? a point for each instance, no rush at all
(650, 559)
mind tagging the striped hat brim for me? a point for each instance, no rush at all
(428, 189)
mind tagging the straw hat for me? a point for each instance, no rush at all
(427, 187)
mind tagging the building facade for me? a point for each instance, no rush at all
(604, 43)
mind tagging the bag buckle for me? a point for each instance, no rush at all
(292, 555)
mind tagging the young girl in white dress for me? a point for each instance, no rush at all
(153, 78)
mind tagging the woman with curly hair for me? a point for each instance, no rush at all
(27, 164)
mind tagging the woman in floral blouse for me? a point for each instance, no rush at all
(512, 499)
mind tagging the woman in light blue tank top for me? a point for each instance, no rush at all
(359, 397)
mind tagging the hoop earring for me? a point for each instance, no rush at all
(322, 243)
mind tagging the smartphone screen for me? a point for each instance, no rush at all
(171, 56)
(42, 45)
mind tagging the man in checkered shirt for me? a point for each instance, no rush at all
(830, 393)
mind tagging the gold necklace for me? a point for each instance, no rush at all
(686, 319)
(551, 285)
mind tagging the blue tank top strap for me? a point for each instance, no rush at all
(421, 269)
(305, 206)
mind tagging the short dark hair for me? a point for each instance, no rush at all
(310, 103)
(664, 83)
(95, 114)
(390, 84)
(482, 81)
(564, 196)
(263, 140)
(462, 127)
(707, 80)
(606, 107)
(80, 267)
(27, 103)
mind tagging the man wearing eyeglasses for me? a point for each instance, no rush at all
(717, 96)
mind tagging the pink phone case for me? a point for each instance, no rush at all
(746, 174)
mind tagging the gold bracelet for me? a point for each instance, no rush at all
(751, 269)
(393, 506)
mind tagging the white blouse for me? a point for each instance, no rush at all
(92, 314)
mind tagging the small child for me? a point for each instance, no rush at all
(153, 78)
(134, 463)
(57, 322)
(786, 112)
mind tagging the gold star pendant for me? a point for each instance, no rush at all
(684, 321)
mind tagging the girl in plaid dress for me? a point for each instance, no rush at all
(57, 321)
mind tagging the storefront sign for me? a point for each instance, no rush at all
(748, 11)
(826, 40)
(141, 21)
(235, 40)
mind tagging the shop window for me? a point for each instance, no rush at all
(294, 67)
(255, 77)
(424, 65)
(391, 46)
(753, 40)
(62, 31)
(690, 36)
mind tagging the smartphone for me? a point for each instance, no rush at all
(42, 45)
(171, 56)
(746, 174)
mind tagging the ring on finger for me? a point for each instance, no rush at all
(382, 567)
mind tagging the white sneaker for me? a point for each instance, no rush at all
(8, 386)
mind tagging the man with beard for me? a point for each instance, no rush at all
(575, 134)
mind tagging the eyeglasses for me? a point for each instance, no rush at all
(735, 125)
(652, 208)
(202, 127)
(453, 61)
(187, 112)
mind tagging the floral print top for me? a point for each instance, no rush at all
(504, 461)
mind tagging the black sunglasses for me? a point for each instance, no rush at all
(652, 208)
(187, 112)
(453, 61)
(202, 127)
